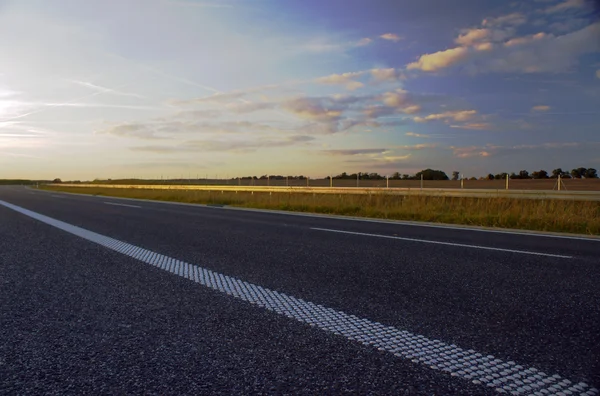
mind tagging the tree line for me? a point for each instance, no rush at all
(427, 174)
(577, 173)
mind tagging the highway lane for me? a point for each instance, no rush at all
(537, 310)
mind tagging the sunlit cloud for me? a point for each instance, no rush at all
(350, 152)
(513, 19)
(460, 115)
(496, 47)
(566, 6)
(364, 42)
(476, 126)
(439, 60)
(540, 108)
(391, 37)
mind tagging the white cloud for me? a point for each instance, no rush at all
(312, 110)
(484, 46)
(346, 79)
(540, 108)
(537, 53)
(391, 37)
(439, 60)
(513, 19)
(525, 39)
(472, 36)
(598, 73)
(364, 42)
(459, 116)
(395, 99)
(413, 134)
(383, 75)
(565, 6)
(421, 146)
(476, 126)
(352, 152)
(412, 109)
(469, 152)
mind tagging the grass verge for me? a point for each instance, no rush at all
(581, 217)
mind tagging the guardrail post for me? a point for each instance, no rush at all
(421, 181)
(507, 179)
(330, 182)
(462, 182)
(559, 182)
(387, 182)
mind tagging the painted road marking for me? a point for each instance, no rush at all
(443, 243)
(505, 377)
(118, 204)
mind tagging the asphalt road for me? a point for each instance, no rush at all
(77, 317)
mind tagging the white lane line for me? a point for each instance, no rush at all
(399, 222)
(118, 204)
(505, 377)
(443, 243)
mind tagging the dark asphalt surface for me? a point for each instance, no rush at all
(78, 318)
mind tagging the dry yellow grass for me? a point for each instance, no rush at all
(582, 217)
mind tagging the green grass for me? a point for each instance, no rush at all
(581, 217)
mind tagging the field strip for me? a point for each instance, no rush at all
(442, 243)
(448, 192)
(503, 376)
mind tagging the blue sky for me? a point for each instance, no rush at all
(151, 88)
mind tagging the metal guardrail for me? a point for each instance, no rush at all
(480, 193)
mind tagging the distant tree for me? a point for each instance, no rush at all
(56, 181)
(405, 177)
(513, 175)
(501, 176)
(396, 176)
(542, 174)
(473, 178)
(430, 174)
(556, 173)
(591, 173)
(524, 174)
(578, 173)
(455, 175)
(490, 177)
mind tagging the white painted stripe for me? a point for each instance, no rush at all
(118, 204)
(505, 377)
(396, 222)
(443, 243)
